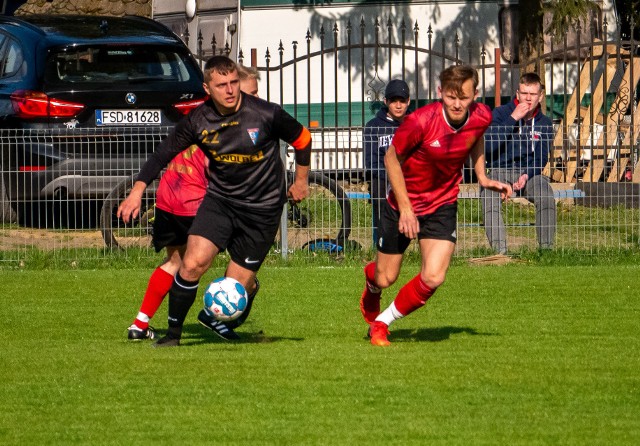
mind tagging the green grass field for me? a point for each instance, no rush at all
(519, 354)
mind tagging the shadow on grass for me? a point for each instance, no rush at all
(436, 334)
(197, 334)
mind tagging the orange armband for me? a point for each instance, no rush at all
(303, 140)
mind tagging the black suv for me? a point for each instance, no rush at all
(83, 101)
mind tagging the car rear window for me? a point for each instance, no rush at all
(118, 65)
(12, 59)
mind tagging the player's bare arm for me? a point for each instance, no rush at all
(408, 223)
(130, 206)
(478, 159)
(300, 187)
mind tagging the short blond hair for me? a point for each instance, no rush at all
(247, 72)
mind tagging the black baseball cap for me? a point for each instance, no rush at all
(397, 89)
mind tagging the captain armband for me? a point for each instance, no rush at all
(302, 146)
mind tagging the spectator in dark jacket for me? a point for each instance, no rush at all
(517, 149)
(378, 133)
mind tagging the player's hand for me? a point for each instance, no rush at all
(505, 189)
(130, 206)
(408, 224)
(298, 191)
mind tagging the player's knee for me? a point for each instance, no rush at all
(192, 269)
(433, 280)
(384, 280)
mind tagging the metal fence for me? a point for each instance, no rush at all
(65, 212)
(334, 79)
(54, 182)
(591, 216)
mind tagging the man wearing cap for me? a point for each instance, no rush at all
(377, 137)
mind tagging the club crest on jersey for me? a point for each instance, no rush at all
(253, 134)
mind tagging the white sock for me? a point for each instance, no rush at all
(142, 317)
(389, 315)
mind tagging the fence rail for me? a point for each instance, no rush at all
(54, 181)
(335, 79)
(591, 215)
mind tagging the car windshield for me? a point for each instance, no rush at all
(117, 65)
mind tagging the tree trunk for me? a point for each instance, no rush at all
(530, 35)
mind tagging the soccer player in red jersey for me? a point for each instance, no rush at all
(178, 197)
(180, 192)
(424, 165)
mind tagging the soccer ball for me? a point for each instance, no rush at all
(225, 299)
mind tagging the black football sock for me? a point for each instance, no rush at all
(181, 296)
(245, 314)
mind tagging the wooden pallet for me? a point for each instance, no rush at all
(602, 133)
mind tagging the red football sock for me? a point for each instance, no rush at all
(159, 284)
(412, 296)
(370, 273)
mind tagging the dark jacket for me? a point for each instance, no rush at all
(520, 144)
(378, 134)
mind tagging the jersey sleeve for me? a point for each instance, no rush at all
(408, 136)
(178, 139)
(292, 132)
(286, 127)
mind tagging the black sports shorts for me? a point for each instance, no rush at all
(169, 229)
(441, 225)
(246, 233)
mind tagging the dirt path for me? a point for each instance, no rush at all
(16, 238)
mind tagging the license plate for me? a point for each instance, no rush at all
(128, 117)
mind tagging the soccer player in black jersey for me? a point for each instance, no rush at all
(241, 210)
(178, 197)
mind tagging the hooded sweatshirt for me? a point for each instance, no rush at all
(378, 134)
(522, 144)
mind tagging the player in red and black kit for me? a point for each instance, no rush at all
(180, 192)
(424, 165)
(241, 210)
(178, 197)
